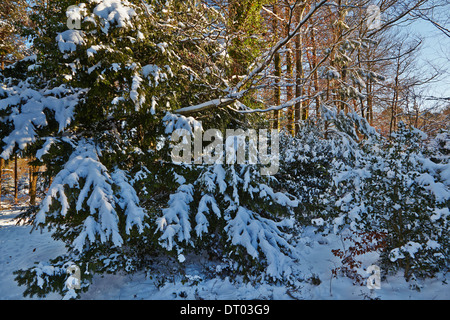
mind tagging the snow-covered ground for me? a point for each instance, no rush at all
(20, 249)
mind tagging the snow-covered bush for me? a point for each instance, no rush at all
(230, 211)
(440, 146)
(232, 214)
(394, 188)
(311, 160)
(350, 180)
(304, 169)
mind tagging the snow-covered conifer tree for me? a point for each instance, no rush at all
(96, 107)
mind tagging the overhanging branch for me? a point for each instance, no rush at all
(236, 92)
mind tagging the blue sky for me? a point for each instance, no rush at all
(435, 49)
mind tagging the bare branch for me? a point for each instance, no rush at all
(237, 92)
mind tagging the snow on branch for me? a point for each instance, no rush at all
(285, 105)
(27, 107)
(85, 172)
(175, 219)
(257, 234)
(173, 122)
(128, 200)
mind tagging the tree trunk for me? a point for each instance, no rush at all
(289, 76)
(2, 165)
(2, 161)
(277, 66)
(33, 170)
(395, 99)
(314, 62)
(394, 107)
(16, 184)
(369, 91)
(370, 102)
(299, 74)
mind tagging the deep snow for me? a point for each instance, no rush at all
(20, 249)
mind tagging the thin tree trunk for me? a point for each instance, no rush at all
(2, 165)
(369, 91)
(289, 76)
(299, 75)
(277, 65)
(394, 106)
(370, 102)
(33, 184)
(16, 184)
(314, 61)
(2, 161)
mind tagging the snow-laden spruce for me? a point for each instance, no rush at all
(97, 107)
(85, 173)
